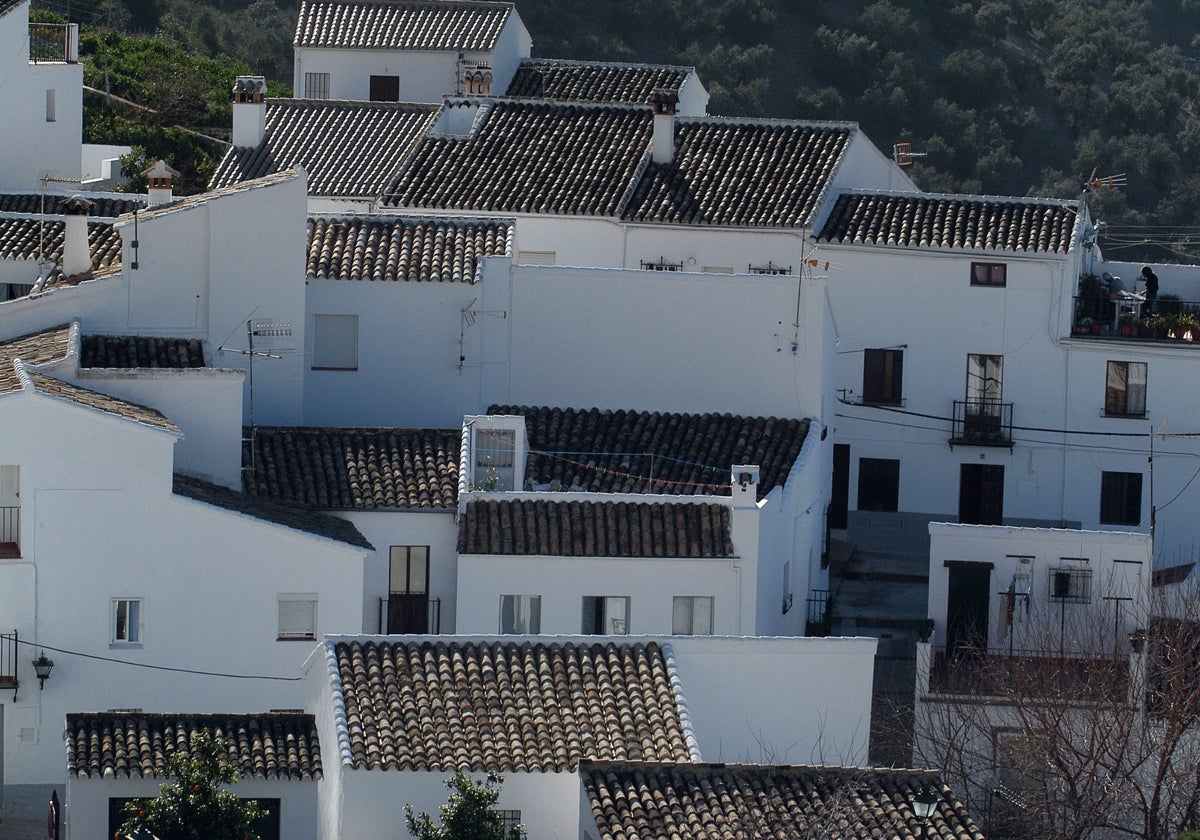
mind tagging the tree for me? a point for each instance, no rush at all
(1088, 730)
(469, 813)
(195, 804)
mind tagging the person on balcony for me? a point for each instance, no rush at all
(1151, 280)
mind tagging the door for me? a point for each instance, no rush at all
(408, 589)
(981, 494)
(839, 502)
(967, 597)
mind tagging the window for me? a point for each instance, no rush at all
(127, 621)
(878, 484)
(1125, 389)
(335, 342)
(1070, 585)
(385, 89)
(495, 454)
(50, 111)
(297, 616)
(521, 614)
(605, 615)
(408, 589)
(316, 85)
(510, 819)
(985, 383)
(883, 373)
(989, 274)
(1120, 498)
(692, 615)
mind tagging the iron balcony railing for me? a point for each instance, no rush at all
(54, 42)
(1002, 673)
(1132, 318)
(8, 660)
(817, 620)
(982, 423)
(404, 615)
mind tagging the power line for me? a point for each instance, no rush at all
(1020, 428)
(41, 646)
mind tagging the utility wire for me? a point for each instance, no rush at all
(1020, 428)
(41, 646)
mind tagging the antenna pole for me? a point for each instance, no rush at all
(250, 376)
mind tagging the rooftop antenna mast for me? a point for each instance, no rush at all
(904, 156)
(260, 329)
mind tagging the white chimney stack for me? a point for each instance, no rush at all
(249, 110)
(77, 253)
(665, 103)
(744, 485)
(158, 178)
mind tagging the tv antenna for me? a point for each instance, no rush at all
(469, 315)
(904, 156)
(268, 331)
(1096, 181)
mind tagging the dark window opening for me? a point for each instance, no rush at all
(1120, 498)
(878, 484)
(989, 274)
(385, 88)
(883, 374)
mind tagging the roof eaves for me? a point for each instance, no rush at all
(191, 202)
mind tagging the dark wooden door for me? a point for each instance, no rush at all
(981, 494)
(839, 502)
(408, 613)
(967, 597)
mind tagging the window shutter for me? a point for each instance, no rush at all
(297, 619)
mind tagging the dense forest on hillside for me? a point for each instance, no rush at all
(1003, 96)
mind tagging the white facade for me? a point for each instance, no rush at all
(101, 529)
(41, 86)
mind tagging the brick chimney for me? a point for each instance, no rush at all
(77, 254)
(249, 110)
(664, 103)
(158, 177)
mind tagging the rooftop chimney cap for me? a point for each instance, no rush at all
(664, 100)
(76, 205)
(250, 85)
(160, 169)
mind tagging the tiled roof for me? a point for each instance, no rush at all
(392, 248)
(347, 149)
(401, 25)
(603, 451)
(531, 157)
(103, 206)
(691, 801)
(594, 81)
(355, 469)
(7, 6)
(140, 351)
(525, 706)
(594, 529)
(273, 745)
(22, 237)
(741, 173)
(966, 222)
(38, 348)
(320, 525)
(101, 402)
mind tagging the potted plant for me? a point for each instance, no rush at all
(1184, 326)
(1158, 324)
(1082, 327)
(1127, 324)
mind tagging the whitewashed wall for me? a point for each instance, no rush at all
(99, 521)
(86, 803)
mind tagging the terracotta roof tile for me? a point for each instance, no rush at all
(602, 451)
(7, 6)
(24, 237)
(741, 173)
(102, 206)
(347, 149)
(963, 222)
(594, 529)
(355, 469)
(273, 745)
(530, 157)
(317, 524)
(394, 248)
(38, 348)
(401, 24)
(140, 351)
(594, 81)
(101, 402)
(632, 801)
(524, 706)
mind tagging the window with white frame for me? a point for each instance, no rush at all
(316, 85)
(605, 615)
(1125, 389)
(521, 614)
(692, 615)
(127, 621)
(297, 616)
(335, 342)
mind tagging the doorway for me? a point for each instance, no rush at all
(839, 502)
(981, 494)
(967, 597)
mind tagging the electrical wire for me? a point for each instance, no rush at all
(945, 419)
(99, 658)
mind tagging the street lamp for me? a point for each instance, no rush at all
(42, 666)
(924, 804)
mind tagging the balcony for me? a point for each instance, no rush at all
(1128, 319)
(982, 423)
(8, 660)
(1001, 673)
(54, 43)
(405, 614)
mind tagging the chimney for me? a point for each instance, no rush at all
(744, 485)
(158, 177)
(77, 254)
(663, 146)
(249, 110)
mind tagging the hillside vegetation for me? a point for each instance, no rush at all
(1003, 96)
